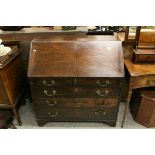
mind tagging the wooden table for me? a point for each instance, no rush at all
(140, 75)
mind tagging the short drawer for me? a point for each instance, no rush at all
(144, 81)
(74, 92)
(76, 102)
(52, 92)
(97, 92)
(52, 82)
(98, 82)
(77, 114)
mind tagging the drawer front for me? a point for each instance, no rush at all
(97, 92)
(76, 102)
(74, 92)
(80, 82)
(150, 58)
(148, 81)
(52, 92)
(97, 82)
(77, 114)
(51, 82)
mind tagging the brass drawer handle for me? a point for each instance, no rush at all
(100, 113)
(48, 94)
(98, 82)
(76, 90)
(150, 82)
(53, 114)
(51, 103)
(45, 83)
(77, 100)
(98, 92)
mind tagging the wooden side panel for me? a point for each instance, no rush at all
(152, 121)
(3, 95)
(1, 100)
(145, 112)
(14, 79)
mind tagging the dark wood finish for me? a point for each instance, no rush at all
(143, 111)
(28, 35)
(12, 83)
(82, 59)
(144, 56)
(75, 92)
(79, 114)
(25, 42)
(6, 118)
(140, 75)
(74, 79)
(76, 102)
(70, 82)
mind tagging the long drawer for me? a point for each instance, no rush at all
(81, 82)
(74, 92)
(77, 114)
(76, 102)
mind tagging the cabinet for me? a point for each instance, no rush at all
(76, 79)
(12, 82)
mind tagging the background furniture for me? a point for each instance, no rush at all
(139, 76)
(134, 41)
(144, 55)
(143, 107)
(145, 51)
(28, 34)
(12, 83)
(76, 79)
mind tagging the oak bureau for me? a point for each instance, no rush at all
(76, 79)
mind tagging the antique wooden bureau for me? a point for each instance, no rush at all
(76, 80)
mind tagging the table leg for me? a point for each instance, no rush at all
(17, 115)
(126, 107)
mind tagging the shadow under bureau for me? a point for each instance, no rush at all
(76, 80)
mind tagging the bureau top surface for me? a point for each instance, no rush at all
(76, 58)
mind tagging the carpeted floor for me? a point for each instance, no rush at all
(29, 122)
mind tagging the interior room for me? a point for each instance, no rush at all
(100, 77)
